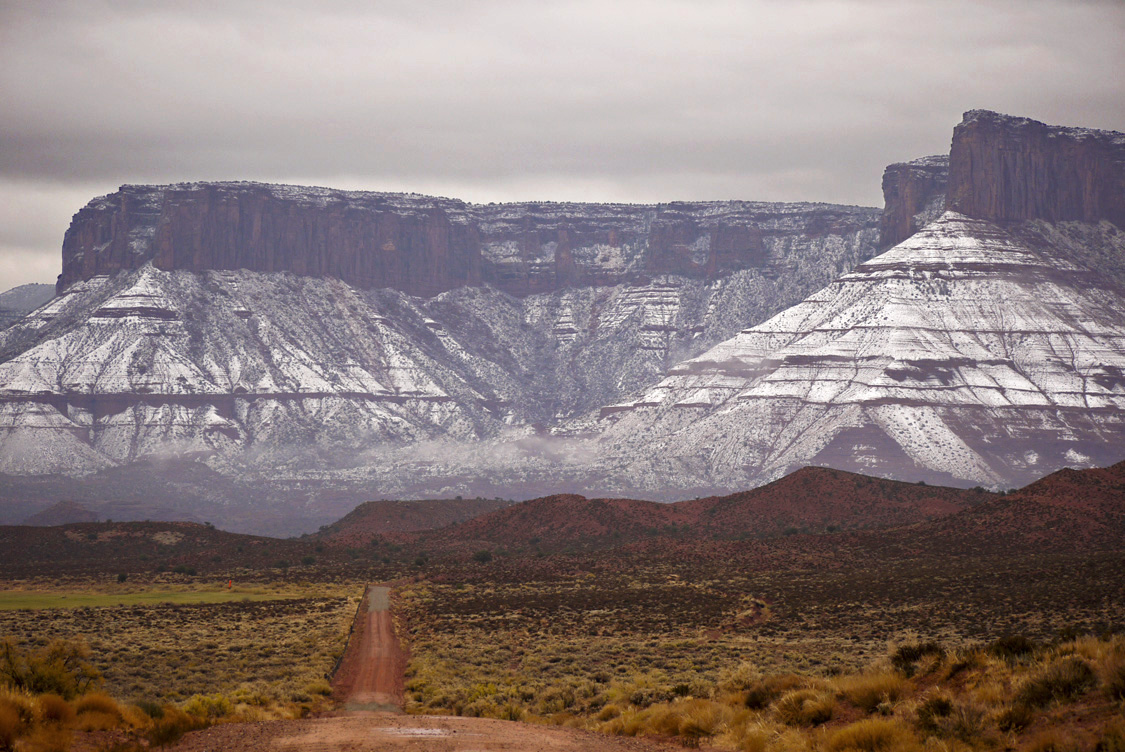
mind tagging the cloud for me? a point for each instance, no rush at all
(577, 99)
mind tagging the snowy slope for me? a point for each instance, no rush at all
(278, 370)
(962, 354)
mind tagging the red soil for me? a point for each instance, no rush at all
(370, 676)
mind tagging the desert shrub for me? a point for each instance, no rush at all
(740, 678)
(54, 709)
(663, 720)
(906, 658)
(152, 709)
(1012, 647)
(98, 712)
(691, 720)
(868, 691)
(1052, 741)
(1113, 738)
(52, 738)
(58, 668)
(97, 702)
(751, 740)
(172, 726)
(555, 700)
(9, 726)
(966, 722)
(931, 710)
(319, 688)
(511, 712)
(762, 693)
(872, 735)
(805, 707)
(967, 661)
(483, 556)
(21, 703)
(1017, 717)
(1113, 675)
(1063, 679)
(208, 706)
(479, 709)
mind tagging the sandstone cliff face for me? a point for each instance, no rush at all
(424, 246)
(1009, 169)
(913, 196)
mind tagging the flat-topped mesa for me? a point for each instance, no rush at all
(1010, 169)
(913, 196)
(424, 246)
(418, 244)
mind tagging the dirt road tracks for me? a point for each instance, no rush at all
(370, 677)
(369, 683)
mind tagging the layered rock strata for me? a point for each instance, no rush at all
(913, 196)
(961, 355)
(424, 245)
(1011, 169)
(278, 368)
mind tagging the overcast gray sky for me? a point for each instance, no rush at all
(498, 100)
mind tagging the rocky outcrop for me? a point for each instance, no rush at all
(913, 196)
(424, 246)
(1010, 169)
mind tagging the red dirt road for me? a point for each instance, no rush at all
(371, 675)
(369, 683)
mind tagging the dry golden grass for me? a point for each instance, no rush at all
(168, 668)
(873, 735)
(805, 707)
(653, 654)
(259, 652)
(870, 690)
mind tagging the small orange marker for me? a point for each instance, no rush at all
(229, 583)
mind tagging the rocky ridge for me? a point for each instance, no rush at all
(423, 245)
(278, 368)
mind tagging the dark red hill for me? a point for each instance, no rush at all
(140, 547)
(375, 519)
(810, 500)
(817, 499)
(565, 519)
(62, 513)
(1064, 511)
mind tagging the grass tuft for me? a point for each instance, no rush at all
(869, 691)
(873, 735)
(805, 707)
(54, 709)
(1063, 679)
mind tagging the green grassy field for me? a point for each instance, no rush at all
(23, 599)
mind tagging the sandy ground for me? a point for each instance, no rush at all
(390, 732)
(369, 683)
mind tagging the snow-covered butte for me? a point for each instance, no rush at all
(965, 354)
